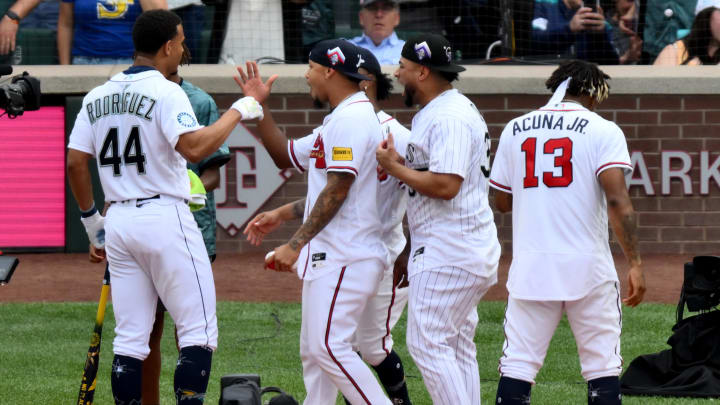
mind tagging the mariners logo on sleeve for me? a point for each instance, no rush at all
(186, 120)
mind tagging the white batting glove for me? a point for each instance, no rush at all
(95, 228)
(249, 108)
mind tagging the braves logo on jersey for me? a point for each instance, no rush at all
(318, 153)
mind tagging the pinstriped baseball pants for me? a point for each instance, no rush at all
(442, 317)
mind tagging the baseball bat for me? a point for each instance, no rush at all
(89, 377)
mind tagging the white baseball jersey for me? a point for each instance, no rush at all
(121, 125)
(392, 193)
(449, 136)
(346, 142)
(549, 160)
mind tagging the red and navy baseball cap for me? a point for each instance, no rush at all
(431, 50)
(340, 55)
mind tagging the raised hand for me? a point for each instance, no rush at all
(251, 83)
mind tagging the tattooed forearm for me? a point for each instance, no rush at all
(298, 208)
(629, 234)
(327, 205)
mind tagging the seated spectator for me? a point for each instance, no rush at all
(566, 28)
(700, 46)
(379, 19)
(99, 32)
(623, 19)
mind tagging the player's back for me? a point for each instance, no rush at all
(549, 160)
(131, 125)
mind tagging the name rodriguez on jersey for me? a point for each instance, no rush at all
(121, 103)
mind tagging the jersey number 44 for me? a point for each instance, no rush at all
(132, 153)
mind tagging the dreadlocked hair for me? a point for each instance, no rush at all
(587, 80)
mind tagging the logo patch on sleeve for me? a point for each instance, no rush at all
(342, 153)
(186, 120)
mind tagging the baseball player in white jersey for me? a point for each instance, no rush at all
(141, 127)
(455, 251)
(339, 249)
(561, 170)
(373, 339)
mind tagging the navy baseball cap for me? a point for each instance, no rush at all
(369, 61)
(431, 50)
(340, 55)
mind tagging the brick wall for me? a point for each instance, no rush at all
(680, 222)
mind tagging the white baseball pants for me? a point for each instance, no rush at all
(332, 306)
(154, 249)
(442, 317)
(595, 320)
(374, 339)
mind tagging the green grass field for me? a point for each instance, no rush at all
(43, 347)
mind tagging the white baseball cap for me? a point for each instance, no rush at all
(703, 4)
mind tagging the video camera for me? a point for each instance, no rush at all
(22, 94)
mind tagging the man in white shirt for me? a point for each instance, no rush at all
(141, 127)
(379, 19)
(373, 339)
(455, 250)
(338, 251)
(561, 170)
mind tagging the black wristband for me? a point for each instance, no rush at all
(13, 16)
(88, 213)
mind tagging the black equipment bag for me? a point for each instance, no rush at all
(240, 389)
(691, 367)
(244, 389)
(281, 399)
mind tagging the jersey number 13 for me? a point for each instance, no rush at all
(132, 153)
(563, 160)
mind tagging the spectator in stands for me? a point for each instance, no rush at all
(379, 19)
(99, 32)
(700, 46)
(19, 14)
(623, 19)
(567, 28)
(192, 14)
